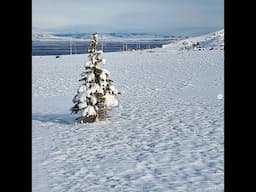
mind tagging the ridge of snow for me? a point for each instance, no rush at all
(213, 40)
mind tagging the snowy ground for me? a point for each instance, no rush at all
(165, 135)
(212, 41)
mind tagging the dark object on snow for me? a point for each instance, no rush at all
(57, 56)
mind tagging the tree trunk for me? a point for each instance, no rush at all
(102, 113)
(89, 119)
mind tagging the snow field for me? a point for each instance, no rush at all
(165, 135)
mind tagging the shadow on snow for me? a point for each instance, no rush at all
(55, 118)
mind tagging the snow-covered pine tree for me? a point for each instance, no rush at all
(97, 93)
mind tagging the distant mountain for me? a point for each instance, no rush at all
(180, 42)
(81, 28)
(36, 36)
(43, 36)
(213, 40)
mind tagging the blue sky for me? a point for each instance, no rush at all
(157, 16)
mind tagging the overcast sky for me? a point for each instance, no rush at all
(127, 15)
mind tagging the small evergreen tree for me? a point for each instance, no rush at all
(97, 93)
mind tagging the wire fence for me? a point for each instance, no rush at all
(81, 47)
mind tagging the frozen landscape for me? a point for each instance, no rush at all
(166, 135)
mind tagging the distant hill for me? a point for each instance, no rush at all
(213, 40)
(43, 36)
